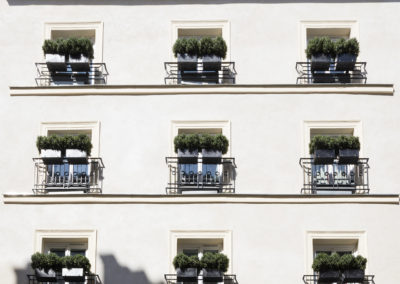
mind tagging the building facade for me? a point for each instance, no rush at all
(268, 206)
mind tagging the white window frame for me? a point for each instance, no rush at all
(224, 125)
(356, 125)
(224, 25)
(304, 25)
(43, 236)
(93, 126)
(359, 236)
(225, 235)
(98, 27)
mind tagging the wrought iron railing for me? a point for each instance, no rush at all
(68, 174)
(313, 279)
(228, 279)
(198, 176)
(89, 279)
(71, 73)
(224, 74)
(335, 177)
(357, 75)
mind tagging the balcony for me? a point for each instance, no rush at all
(68, 174)
(334, 74)
(71, 73)
(201, 175)
(89, 279)
(335, 177)
(313, 279)
(228, 279)
(198, 73)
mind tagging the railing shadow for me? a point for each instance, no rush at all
(20, 274)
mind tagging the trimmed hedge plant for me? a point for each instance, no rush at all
(217, 261)
(81, 142)
(351, 262)
(349, 46)
(325, 262)
(321, 45)
(188, 46)
(189, 142)
(46, 262)
(214, 143)
(207, 46)
(76, 261)
(182, 261)
(321, 142)
(75, 47)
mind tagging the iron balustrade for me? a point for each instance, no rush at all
(89, 279)
(313, 279)
(335, 177)
(358, 75)
(225, 74)
(71, 73)
(200, 176)
(228, 279)
(68, 174)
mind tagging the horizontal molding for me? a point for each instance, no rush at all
(141, 90)
(390, 199)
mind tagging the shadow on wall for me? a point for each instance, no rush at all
(116, 273)
(175, 2)
(21, 274)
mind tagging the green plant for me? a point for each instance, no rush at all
(321, 45)
(206, 46)
(324, 262)
(320, 142)
(192, 47)
(350, 262)
(52, 142)
(219, 47)
(81, 142)
(215, 261)
(189, 142)
(80, 46)
(188, 46)
(50, 47)
(348, 142)
(77, 261)
(46, 262)
(182, 261)
(350, 46)
(214, 143)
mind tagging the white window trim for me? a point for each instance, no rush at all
(93, 126)
(334, 124)
(304, 25)
(360, 236)
(226, 237)
(225, 125)
(97, 26)
(90, 235)
(212, 24)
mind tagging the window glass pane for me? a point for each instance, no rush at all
(59, 252)
(190, 252)
(78, 251)
(211, 250)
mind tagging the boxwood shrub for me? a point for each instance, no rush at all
(189, 142)
(322, 142)
(182, 261)
(321, 45)
(325, 262)
(350, 46)
(77, 261)
(75, 47)
(214, 143)
(351, 262)
(52, 142)
(210, 47)
(46, 262)
(215, 261)
(81, 142)
(188, 46)
(348, 142)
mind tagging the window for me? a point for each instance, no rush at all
(68, 242)
(339, 246)
(201, 29)
(91, 30)
(200, 242)
(332, 29)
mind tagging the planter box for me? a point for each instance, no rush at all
(348, 156)
(187, 157)
(73, 274)
(211, 157)
(55, 58)
(212, 275)
(55, 62)
(76, 156)
(187, 62)
(211, 63)
(42, 276)
(187, 275)
(346, 62)
(51, 156)
(331, 276)
(322, 157)
(81, 64)
(320, 62)
(354, 276)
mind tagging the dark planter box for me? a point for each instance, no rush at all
(330, 276)
(346, 62)
(348, 156)
(187, 157)
(212, 275)
(211, 157)
(42, 276)
(322, 156)
(354, 276)
(187, 275)
(211, 63)
(187, 62)
(320, 62)
(320, 78)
